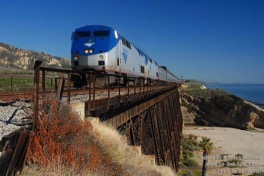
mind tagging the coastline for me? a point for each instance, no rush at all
(250, 92)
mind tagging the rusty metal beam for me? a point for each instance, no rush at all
(36, 93)
(93, 101)
(43, 81)
(11, 83)
(18, 157)
(168, 131)
(139, 109)
(69, 87)
(90, 92)
(150, 116)
(119, 88)
(108, 92)
(60, 88)
(160, 130)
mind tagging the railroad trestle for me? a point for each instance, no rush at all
(149, 115)
(156, 126)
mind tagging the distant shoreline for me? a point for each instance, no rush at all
(261, 105)
(250, 92)
(234, 84)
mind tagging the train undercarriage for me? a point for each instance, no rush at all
(102, 79)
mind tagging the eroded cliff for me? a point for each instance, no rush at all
(219, 108)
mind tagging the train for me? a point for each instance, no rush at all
(102, 49)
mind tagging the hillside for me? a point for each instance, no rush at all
(218, 108)
(13, 57)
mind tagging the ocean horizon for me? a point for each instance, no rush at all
(253, 93)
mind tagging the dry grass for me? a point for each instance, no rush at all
(65, 145)
(115, 145)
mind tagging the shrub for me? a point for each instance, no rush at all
(189, 145)
(61, 138)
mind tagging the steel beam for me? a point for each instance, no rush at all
(36, 94)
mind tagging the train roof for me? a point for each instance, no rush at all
(165, 68)
(93, 27)
(102, 27)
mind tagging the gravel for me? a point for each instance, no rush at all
(11, 116)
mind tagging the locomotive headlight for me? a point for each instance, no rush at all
(116, 35)
(86, 51)
(101, 57)
(75, 58)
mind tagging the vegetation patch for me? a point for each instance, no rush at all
(190, 144)
(63, 141)
(19, 83)
(65, 145)
(258, 174)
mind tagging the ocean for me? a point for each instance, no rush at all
(253, 93)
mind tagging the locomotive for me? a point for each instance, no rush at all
(102, 49)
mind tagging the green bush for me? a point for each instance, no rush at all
(258, 174)
(189, 145)
(190, 163)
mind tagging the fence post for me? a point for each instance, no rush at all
(43, 81)
(11, 83)
(60, 87)
(69, 87)
(36, 94)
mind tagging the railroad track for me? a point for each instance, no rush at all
(12, 96)
(7, 97)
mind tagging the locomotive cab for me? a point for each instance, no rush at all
(92, 48)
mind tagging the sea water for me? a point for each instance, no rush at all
(253, 93)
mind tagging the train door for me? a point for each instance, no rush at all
(119, 57)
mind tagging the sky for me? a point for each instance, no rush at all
(207, 40)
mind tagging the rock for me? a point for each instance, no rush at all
(11, 116)
(218, 108)
(252, 117)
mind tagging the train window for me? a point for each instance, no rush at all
(128, 45)
(150, 60)
(82, 34)
(117, 62)
(142, 69)
(101, 33)
(157, 74)
(124, 41)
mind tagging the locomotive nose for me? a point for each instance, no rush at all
(89, 42)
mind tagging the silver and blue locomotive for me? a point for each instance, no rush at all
(102, 49)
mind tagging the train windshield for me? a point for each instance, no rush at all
(83, 34)
(101, 33)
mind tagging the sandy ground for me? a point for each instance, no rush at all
(232, 141)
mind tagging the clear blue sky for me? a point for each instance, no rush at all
(209, 40)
